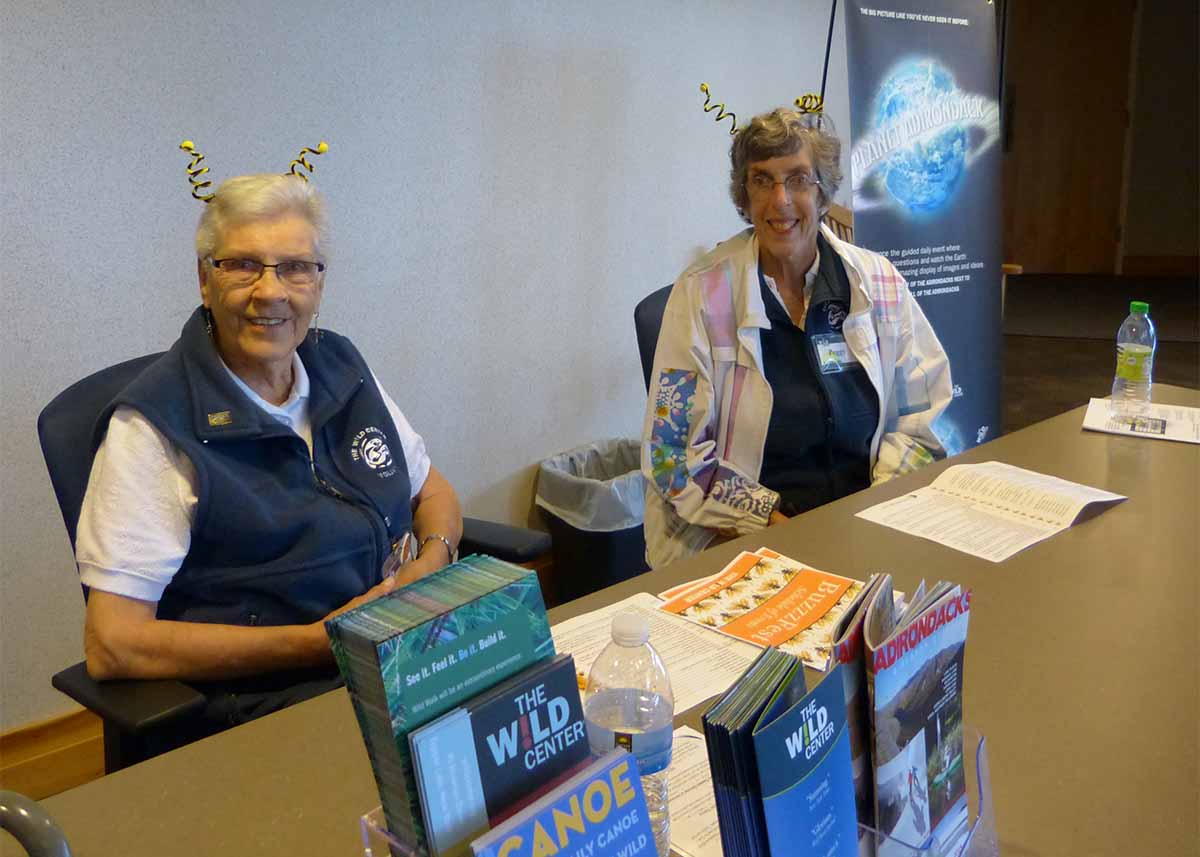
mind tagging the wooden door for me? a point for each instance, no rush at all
(1067, 77)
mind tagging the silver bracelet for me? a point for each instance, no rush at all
(450, 551)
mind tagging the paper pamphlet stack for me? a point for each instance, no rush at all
(416, 653)
(780, 761)
(768, 599)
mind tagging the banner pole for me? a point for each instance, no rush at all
(828, 45)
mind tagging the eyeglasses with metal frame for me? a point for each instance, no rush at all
(797, 184)
(296, 272)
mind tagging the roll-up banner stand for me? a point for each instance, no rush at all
(925, 170)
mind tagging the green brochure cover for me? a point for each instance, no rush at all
(418, 652)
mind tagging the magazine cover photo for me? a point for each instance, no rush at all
(921, 782)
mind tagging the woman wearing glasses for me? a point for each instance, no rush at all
(792, 368)
(255, 479)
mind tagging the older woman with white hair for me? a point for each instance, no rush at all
(792, 368)
(255, 479)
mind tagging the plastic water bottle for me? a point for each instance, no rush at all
(1136, 342)
(628, 703)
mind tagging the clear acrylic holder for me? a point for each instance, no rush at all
(378, 842)
(976, 837)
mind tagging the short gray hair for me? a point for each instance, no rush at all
(780, 133)
(245, 198)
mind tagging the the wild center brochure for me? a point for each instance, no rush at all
(780, 759)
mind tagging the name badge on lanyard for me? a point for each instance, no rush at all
(833, 354)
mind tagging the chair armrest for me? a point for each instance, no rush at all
(134, 705)
(503, 541)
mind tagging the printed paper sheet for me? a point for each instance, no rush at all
(1158, 422)
(991, 510)
(701, 663)
(695, 831)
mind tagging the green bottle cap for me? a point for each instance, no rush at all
(1139, 306)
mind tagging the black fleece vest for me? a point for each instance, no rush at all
(279, 538)
(818, 445)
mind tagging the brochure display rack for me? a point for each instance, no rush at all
(377, 842)
(976, 839)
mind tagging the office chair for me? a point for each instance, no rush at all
(647, 322)
(144, 717)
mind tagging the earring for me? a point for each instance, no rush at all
(208, 321)
(316, 330)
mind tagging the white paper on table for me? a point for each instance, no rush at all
(700, 663)
(695, 831)
(1157, 422)
(991, 510)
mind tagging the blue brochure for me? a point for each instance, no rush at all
(600, 812)
(807, 783)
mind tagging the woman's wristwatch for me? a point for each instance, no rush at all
(451, 551)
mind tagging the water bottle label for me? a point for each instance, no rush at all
(1134, 364)
(652, 748)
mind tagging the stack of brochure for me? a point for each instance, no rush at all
(418, 652)
(780, 761)
(768, 599)
(496, 753)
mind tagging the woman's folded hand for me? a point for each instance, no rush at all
(411, 571)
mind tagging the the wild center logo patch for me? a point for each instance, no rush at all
(370, 447)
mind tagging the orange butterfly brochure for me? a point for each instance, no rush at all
(769, 600)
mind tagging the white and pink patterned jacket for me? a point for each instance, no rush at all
(710, 405)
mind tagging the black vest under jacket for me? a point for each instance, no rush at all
(278, 538)
(818, 445)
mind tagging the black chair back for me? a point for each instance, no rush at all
(65, 429)
(647, 321)
(141, 718)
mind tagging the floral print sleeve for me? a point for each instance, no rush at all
(696, 474)
(673, 403)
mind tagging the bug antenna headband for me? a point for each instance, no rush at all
(195, 172)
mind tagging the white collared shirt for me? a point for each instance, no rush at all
(293, 413)
(810, 277)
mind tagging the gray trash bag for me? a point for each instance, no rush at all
(596, 487)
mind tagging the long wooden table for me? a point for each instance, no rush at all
(1081, 670)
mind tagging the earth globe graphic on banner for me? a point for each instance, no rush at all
(924, 174)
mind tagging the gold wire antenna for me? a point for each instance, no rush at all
(302, 160)
(720, 108)
(810, 102)
(195, 171)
